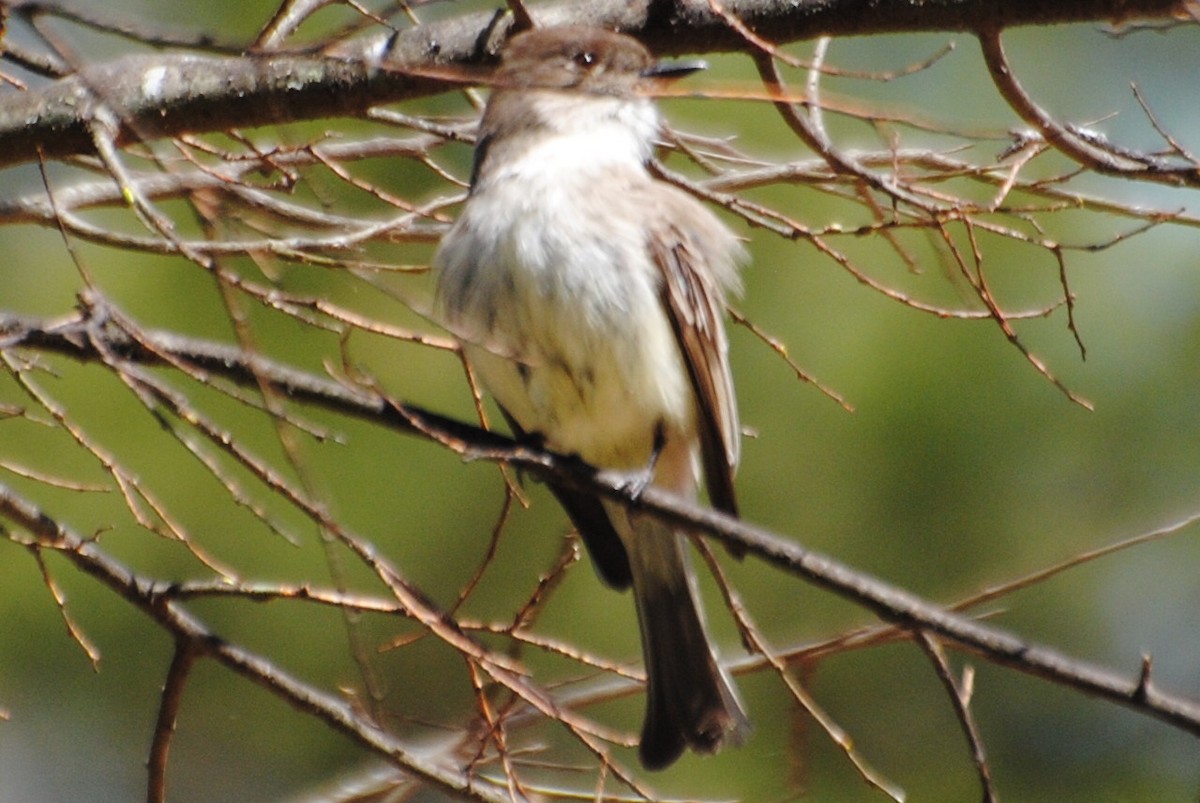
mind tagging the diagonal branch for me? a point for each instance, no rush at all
(1091, 152)
(75, 337)
(185, 627)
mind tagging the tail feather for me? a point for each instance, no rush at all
(690, 703)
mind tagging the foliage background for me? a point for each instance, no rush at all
(959, 468)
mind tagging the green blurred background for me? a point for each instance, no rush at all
(960, 467)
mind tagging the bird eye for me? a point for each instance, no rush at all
(585, 59)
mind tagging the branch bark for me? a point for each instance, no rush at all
(87, 338)
(149, 97)
(201, 641)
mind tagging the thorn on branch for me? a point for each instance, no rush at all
(1143, 691)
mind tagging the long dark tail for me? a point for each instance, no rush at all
(689, 700)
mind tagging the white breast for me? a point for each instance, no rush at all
(548, 276)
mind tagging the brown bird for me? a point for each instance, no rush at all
(590, 296)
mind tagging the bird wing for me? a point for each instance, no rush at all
(694, 304)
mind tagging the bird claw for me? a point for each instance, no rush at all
(635, 482)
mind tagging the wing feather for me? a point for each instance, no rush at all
(694, 303)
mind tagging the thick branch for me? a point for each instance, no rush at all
(188, 629)
(148, 97)
(78, 336)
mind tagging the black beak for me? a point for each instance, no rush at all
(674, 69)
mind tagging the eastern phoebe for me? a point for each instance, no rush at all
(589, 296)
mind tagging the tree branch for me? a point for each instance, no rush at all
(79, 335)
(148, 97)
(174, 617)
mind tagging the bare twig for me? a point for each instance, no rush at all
(145, 595)
(186, 653)
(960, 697)
(1091, 152)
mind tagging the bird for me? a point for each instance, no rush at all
(589, 296)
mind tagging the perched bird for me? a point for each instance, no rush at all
(589, 296)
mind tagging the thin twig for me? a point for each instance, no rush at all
(170, 701)
(960, 697)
